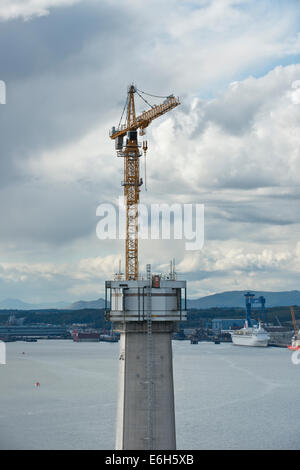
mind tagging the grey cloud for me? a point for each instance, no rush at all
(37, 289)
(56, 69)
(46, 214)
(262, 213)
(236, 109)
(34, 47)
(251, 221)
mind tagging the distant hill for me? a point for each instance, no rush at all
(229, 299)
(14, 304)
(237, 299)
(100, 303)
(17, 304)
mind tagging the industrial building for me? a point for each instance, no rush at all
(226, 324)
(33, 331)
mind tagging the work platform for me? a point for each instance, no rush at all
(128, 300)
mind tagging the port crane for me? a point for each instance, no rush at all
(130, 151)
(294, 320)
(250, 299)
(296, 338)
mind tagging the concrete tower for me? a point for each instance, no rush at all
(146, 312)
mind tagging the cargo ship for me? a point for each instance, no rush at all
(94, 336)
(84, 336)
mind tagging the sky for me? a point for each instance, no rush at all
(233, 144)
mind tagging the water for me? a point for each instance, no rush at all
(227, 397)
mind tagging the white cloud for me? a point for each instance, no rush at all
(210, 42)
(214, 269)
(226, 259)
(86, 269)
(90, 158)
(247, 137)
(26, 9)
(238, 140)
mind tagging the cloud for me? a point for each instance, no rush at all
(26, 9)
(203, 153)
(84, 269)
(245, 138)
(233, 144)
(40, 281)
(226, 259)
(205, 44)
(223, 266)
(226, 267)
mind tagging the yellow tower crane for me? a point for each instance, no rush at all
(130, 151)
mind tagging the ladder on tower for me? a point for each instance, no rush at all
(149, 362)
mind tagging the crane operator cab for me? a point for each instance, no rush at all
(131, 137)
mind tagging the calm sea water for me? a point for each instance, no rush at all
(227, 397)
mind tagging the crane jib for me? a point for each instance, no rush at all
(145, 118)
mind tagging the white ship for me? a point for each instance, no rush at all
(250, 336)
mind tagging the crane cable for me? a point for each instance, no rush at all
(148, 94)
(145, 171)
(138, 92)
(144, 99)
(125, 106)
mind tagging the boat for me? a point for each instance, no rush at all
(193, 341)
(250, 336)
(109, 338)
(94, 336)
(85, 336)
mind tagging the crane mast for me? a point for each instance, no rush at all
(130, 151)
(131, 185)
